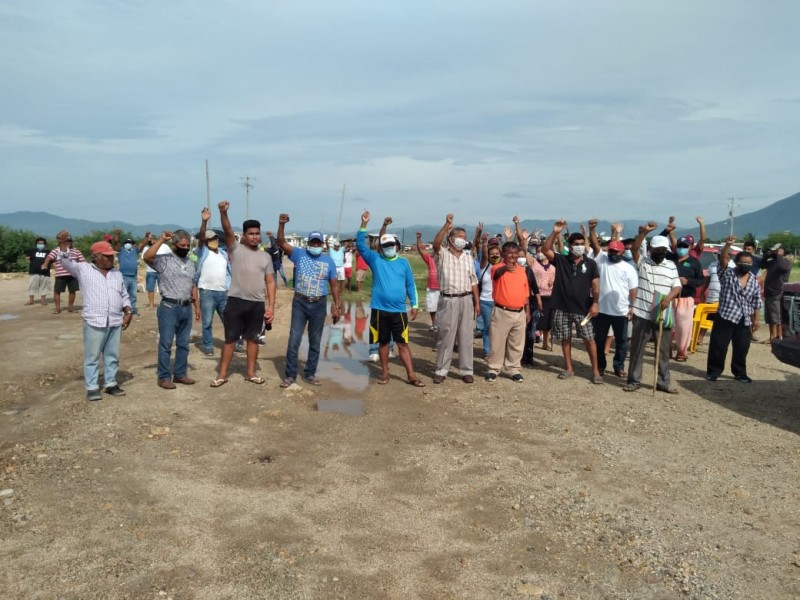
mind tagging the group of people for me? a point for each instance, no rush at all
(559, 286)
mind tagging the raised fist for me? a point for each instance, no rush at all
(224, 206)
(365, 217)
(592, 223)
(283, 218)
(205, 215)
(166, 236)
(387, 221)
(559, 225)
(449, 218)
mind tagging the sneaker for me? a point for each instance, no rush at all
(115, 390)
(517, 378)
(374, 358)
(93, 395)
(392, 354)
(743, 379)
(262, 341)
(239, 348)
(490, 377)
(711, 377)
(208, 352)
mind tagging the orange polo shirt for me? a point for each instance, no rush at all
(510, 289)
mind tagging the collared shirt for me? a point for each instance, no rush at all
(104, 296)
(572, 288)
(456, 273)
(617, 279)
(74, 255)
(511, 288)
(653, 278)
(312, 273)
(177, 276)
(737, 302)
(545, 277)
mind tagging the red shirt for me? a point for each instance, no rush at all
(361, 265)
(433, 276)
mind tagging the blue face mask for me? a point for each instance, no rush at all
(682, 252)
(627, 255)
(40, 247)
(314, 250)
(390, 252)
(128, 246)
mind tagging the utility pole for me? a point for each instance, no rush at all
(733, 202)
(341, 209)
(246, 182)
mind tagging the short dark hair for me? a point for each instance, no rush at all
(510, 246)
(455, 229)
(751, 244)
(741, 255)
(575, 237)
(41, 239)
(628, 241)
(250, 224)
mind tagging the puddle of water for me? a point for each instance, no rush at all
(8, 317)
(351, 408)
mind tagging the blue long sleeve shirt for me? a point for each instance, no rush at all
(392, 278)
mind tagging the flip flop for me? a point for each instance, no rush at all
(218, 383)
(416, 382)
(566, 374)
(383, 381)
(255, 379)
(312, 381)
(597, 380)
(287, 382)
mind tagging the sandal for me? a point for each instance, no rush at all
(287, 382)
(416, 382)
(630, 387)
(312, 381)
(255, 379)
(218, 383)
(597, 380)
(383, 380)
(566, 374)
(680, 358)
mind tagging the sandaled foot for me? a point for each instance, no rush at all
(57, 311)
(218, 383)
(255, 379)
(72, 310)
(566, 374)
(383, 380)
(312, 381)
(630, 387)
(597, 380)
(416, 382)
(29, 304)
(287, 382)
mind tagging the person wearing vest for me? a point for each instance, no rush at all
(128, 259)
(212, 279)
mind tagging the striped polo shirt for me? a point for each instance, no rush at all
(653, 278)
(55, 256)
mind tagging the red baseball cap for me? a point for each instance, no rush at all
(103, 248)
(616, 246)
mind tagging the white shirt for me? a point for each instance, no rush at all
(214, 275)
(486, 284)
(162, 249)
(348, 260)
(616, 282)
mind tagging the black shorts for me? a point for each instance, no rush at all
(65, 283)
(385, 326)
(242, 318)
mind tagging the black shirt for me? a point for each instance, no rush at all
(36, 261)
(573, 283)
(778, 269)
(692, 270)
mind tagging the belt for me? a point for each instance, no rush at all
(456, 295)
(178, 302)
(509, 308)
(309, 298)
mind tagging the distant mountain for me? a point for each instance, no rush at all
(47, 225)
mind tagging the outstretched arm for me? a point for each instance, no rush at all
(287, 248)
(643, 231)
(230, 238)
(593, 241)
(701, 242)
(442, 233)
(547, 246)
(205, 215)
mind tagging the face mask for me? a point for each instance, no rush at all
(682, 252)
(614, 258)
(390, 252)
(577, 250)
(494, 260)
(743, 269)
(314, 250)
(40, 246)
(521, 262)
(213, 244)
(128, 246)
(540, 256)
(459, 243)
(182, 252)
(658, 257)
(627, 255)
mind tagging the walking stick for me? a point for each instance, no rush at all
(658, 352)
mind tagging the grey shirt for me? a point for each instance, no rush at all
(177, 276)
(248, 271)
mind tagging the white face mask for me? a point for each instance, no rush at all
(459, 243)
(577, 250)
(390, 252)
(521, 261)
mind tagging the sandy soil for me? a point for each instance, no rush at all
(545, 489)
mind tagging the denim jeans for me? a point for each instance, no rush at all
(486, 316)
(304, 312)
(619, 326)
(97, 341)
(174, 323)
(278, 268)
(131, 284)
(211, 301)
(150, 281)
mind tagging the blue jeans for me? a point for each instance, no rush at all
(174, 323)
(487, 306)
(278, 268)
(210, 301)
(97, 341)
(304, 312)
(131, 284)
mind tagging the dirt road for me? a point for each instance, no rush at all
(544, 489)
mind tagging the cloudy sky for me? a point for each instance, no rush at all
(615, 108)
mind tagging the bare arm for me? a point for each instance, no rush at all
(144, 242)
(517, 229)
(150, 255)
(547, 246)
(701, 243)
(287, 248)
(593, 241)
(637, 243)
(386, 222)
(725, 255)
(269, 313)
(442, 233)
(230, 238)
(205, 215)
(476, 241)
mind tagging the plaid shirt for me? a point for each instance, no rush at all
(737, 302)
(104, 296)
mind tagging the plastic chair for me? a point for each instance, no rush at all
(701, 321)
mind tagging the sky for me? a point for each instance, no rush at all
(618, 109)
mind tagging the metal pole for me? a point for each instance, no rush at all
(341, 209)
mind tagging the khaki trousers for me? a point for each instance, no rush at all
(455, 319)
(507, 339)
